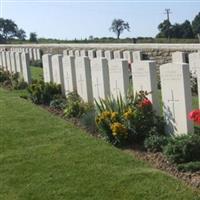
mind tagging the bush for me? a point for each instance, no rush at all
(194, 87)
(182, 149)
(12, 80)
(58, 103)
(127, 121)
(43, 93)
(75, 106)
(189, 167)
(155, 143)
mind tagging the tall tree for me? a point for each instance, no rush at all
(33, 37)
(196, 24)
(21, 34)
(165, 29)
(118, 26)
(8, 29)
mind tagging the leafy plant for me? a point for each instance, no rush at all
(129, 120)
(182, 149)
(43, 93)
(189, 167)
(58, 103)
(75, 107)
(155, 143)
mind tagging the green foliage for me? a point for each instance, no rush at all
(196, 24)
(75, 106)
(118, 26)
(127, 121)
(43, 93)
(33, 37)
(194, 87)
(182, 149)
(58, 103)
(189, 167)
(155, 142)
(12, 80)
(167, 30)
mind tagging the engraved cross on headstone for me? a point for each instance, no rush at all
(67, 78)
(173, 101)
(116, 87)
(81, 83)
(97, 86)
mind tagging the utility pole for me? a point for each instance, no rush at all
(168, 12)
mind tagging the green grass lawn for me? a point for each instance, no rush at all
(36, 73)
(42, 157)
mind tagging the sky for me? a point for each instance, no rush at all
(69, 19)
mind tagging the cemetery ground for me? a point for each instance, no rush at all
(45, 157)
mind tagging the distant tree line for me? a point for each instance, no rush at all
(10, 31)
(186, 29)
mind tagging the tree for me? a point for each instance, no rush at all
(33, 37)
(165, 29)
(8, 29)
(196, 24)
(21, 34)
(118, 26)
(186, 29)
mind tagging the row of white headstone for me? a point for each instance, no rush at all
(108, 54)
(98, 77)
(34, 53)
(14, 62)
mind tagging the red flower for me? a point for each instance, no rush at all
(195, 116)
(145, 102)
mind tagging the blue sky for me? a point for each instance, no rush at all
(76, 19)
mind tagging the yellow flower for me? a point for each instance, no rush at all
(114, 115)
(129, 114)
(118, 128)
(105, 115)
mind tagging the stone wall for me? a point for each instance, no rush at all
(161, 53)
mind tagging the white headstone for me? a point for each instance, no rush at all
(71, 53)
(100, 78)
(1, 60)
(119, 77)
(77, 53)
(4, 60)
(83, 78)
(128, 55)
(34, 54)
(109, 54)
(83, 52)
(178, 57)
(13, 61)
(47, 68)
(137, 56)
(38, 54)
(69, 73)
(176, 97)
(144, 78)
(194, 63)
(66, 52)
(118, 54)
(8, 61)
(26, 67)
(19, 62)
(31, 55)
(100, 53)
(57, 70)
(92, 53)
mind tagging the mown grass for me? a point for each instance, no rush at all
(36, 73)
(44, 157)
